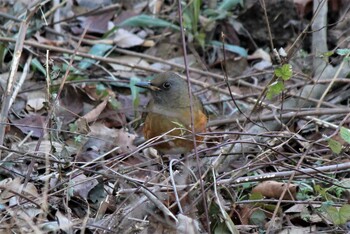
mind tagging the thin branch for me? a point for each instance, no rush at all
(6, 105)
(201, 181)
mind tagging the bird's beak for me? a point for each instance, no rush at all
(147, 85)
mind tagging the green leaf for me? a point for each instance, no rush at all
(285, 72)
(36, 64)
(75, 77)
(73, 127)
(343, 52)
(101, 90)
(328, 54)
(256, 196)
(274, 89)
(332, 213)
(221, 228)
(3, 51)
(116, 105)
(258, 218)
(135, 91)
(320, 191)
(344, 213)
(97, 194)
(196, 12)
(227, 5)
(214, 14)
(340, 216)
(345, 134)
(191, 15)
(200, 37)
(233, 48)
(334, 145)
(98, 50)
(78, 139)
(148, 21)
(327, 203)
(346, 183)
(228, 221)
(187, 21)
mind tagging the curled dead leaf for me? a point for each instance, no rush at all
(274, 189)
(125, 39)
(83, 185)
(9, 187)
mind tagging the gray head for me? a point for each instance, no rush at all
(168, 89)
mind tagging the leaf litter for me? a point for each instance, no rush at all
(81, 163)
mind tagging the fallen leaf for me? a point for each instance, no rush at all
(9, 186)
(274, 189)
(97, 23)
(187, 225)
(119, 137)
(125, 39)
(46, 147)
(92, 115)
(131, 60)
(71, 104)
(31, 123)
(82, 185)
(35, 101)
(65, 224)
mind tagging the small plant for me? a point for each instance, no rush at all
(282, 73)
(335, 145)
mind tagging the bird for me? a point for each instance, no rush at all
(169, 111)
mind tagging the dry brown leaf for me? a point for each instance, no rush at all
(132, 60)
(44, 40)
(125, 39)
(187, 225)
(274, 189)
(93, 94)
(35, 101)
(71, 104)
(65, 224)
(119, 137)
(148, 43)
(98, 23)
(8, 186)
(99, 129)
(303, 7)
(32, 123)
(245, 212)
(155, 5)
(83, 185)
(191, 59)
(93, 115)
(46, 147)
(260, 54)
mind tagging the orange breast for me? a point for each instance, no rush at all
(179, 138)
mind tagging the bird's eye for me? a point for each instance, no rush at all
(166, 85)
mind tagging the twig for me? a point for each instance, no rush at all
(330, 85)
(158, 203)
(263, 5)
(287, 174)
(12, 76)
(173, 183)
(307, 114)
(201, 182)
(51, 111)
(21, 80)
(278, 205)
